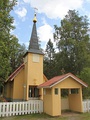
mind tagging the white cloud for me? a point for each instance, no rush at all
(55, 8)
(26, 1)
(45, 32)
(21, 12)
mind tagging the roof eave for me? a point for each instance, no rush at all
(44, 87)
(41, 53)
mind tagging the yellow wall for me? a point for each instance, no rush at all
(33, 72)
(18, 92)
(7, 90)
(56, 103)
(68, 83)
(8, 93)
(75, 101)
(48, 104)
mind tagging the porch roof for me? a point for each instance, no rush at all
(55, 80)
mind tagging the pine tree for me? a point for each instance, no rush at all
(73, 42)
(49, 60)
(10, 50)
(85, 76)
(16, 53)
(5, 27)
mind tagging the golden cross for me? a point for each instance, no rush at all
(35, 10)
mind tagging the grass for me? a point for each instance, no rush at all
(84, 116)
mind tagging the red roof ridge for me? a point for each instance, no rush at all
(15, 72)
(52, 81)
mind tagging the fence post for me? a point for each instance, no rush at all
(87, 106)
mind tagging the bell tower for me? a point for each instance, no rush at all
(33, 60)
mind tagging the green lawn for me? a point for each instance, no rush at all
(85, 116)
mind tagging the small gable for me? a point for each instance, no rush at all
(68, 83)
(67, 79)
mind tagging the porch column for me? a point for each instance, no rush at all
(75, 101)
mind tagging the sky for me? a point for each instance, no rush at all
(49, 13)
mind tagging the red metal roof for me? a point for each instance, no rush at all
(12, 76)
(58, 79)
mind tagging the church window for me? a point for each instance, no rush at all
(56, 91)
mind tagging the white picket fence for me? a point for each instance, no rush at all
(86, 105)
(20, 108)
(29, 107)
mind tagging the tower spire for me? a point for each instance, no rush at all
(34, 45)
